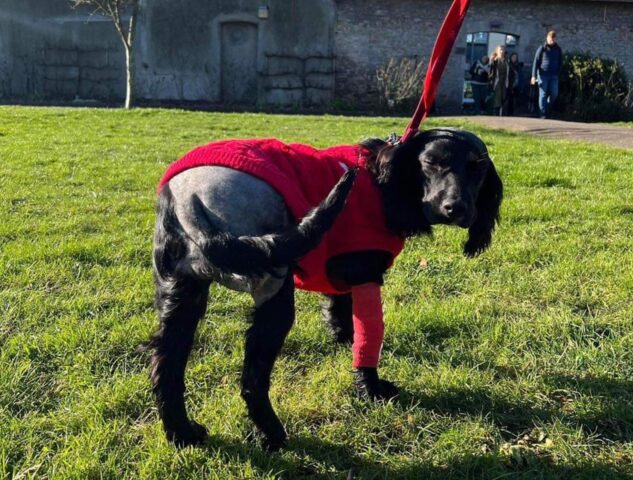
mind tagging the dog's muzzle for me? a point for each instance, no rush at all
(456, 213)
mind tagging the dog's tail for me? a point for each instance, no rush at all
(248, 255)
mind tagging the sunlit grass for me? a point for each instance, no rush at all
(518, 364)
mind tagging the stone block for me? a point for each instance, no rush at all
(319, 65)
(284, 66)
(318, 97)
(93, 58)
(320, 81)
(288, 98)
(61, 73)
(283, 81)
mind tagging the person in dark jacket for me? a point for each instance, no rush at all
(516, 88)
(479, 73)
(546, 68)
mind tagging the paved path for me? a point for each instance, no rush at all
(621, 137)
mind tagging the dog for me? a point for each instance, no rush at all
(252, 222)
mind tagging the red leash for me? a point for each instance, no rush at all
(441, 51)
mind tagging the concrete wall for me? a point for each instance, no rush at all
(48, 51)
(369, 32)
(184, 45)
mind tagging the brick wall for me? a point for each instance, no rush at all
(369, 32)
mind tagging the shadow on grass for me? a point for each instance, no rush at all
(606, 410)
(310, 457)
(614, 419)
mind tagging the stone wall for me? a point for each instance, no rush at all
(51, 52)
(307, 52)
(369, 32)
(186, 46)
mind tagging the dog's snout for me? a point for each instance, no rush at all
(454, 208)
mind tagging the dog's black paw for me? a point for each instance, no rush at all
(193, 434)
(270, 443)
(386, 390)
(274, 444)
(343, 337)
(370, 386)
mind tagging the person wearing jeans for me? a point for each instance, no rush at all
(546, 68)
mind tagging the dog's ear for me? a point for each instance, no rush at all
(395, 163)
(488, 205)
(400, 178)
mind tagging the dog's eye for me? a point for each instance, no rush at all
(433, 162)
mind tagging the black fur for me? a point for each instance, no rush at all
(400, 175)
(271, 323)
(401, 181)
(181, 302)
(439, 176)
(336, 311)
(368, 384)
(488, 206)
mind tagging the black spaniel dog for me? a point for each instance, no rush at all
(219, 224)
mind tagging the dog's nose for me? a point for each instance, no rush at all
(454, 208)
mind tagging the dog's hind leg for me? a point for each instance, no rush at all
(181, 304)
(181, 301)
(336, 311)
(272, 321)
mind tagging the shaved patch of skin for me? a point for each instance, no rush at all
(214, 198)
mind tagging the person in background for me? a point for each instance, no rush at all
(516, 88)
(479, 73)
(500, 80)
(546, 68)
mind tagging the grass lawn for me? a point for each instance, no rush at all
(518, 364)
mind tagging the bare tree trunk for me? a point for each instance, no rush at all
(129, 66)
(115, 9)
(127, 37)
(130, 57)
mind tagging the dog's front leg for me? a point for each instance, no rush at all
(271, 323)
(337, 314)
(368, 337)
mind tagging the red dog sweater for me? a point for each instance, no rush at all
(303, 176)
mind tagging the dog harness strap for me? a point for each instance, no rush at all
(441, 51)
(369, 328)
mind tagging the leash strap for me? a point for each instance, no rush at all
(441, 51)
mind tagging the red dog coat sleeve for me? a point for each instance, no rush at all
(369, 328)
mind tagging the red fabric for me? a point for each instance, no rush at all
(441, 51)
(303, 176)
(369, 328)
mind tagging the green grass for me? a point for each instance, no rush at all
(518, 364)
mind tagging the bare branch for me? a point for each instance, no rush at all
(132, 26)
(115, 9)
(400, 81)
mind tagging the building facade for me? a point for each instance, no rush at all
(290, 53)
